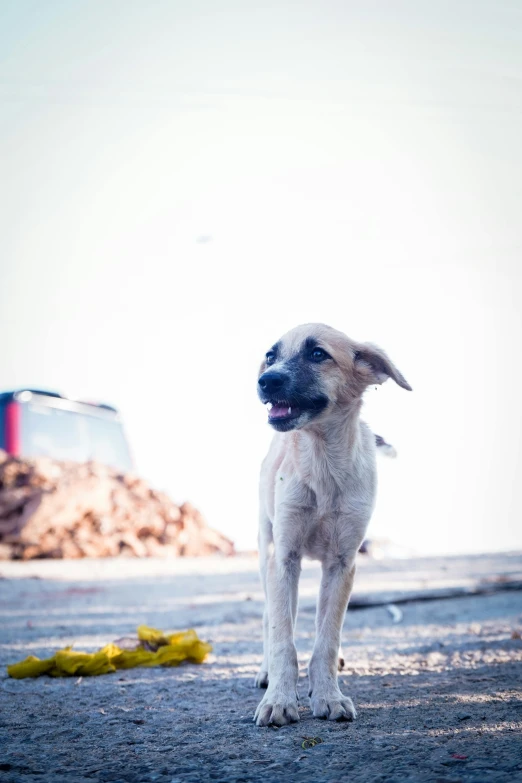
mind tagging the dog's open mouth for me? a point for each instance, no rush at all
(282, 411)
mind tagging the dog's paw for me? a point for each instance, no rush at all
(261, 680)
(276, 710)
(332, 706)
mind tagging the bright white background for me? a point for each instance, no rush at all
(182, 182)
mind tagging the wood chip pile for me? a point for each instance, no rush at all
(70, 510)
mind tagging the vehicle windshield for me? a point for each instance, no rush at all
(48, 431)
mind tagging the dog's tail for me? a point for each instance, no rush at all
(386, 449)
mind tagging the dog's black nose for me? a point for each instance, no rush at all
(271, 382)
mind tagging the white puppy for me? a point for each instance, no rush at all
(317, 494)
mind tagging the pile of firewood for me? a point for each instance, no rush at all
(70, 510)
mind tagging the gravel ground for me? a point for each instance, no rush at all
(438, 694)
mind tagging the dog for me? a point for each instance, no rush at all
(317, 493)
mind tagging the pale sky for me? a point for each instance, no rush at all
(183, 182)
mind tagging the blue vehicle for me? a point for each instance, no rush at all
(35, 423)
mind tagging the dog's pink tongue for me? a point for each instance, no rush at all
(279, 411)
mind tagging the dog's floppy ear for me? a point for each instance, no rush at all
(372, 364)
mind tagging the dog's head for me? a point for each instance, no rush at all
(314, 369)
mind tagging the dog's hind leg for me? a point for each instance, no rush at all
(261, 680)
(265, 544)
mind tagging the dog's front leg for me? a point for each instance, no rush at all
(326, 698)
(279, 704)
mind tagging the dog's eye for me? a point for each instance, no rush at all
(270, 357)
(318, 355)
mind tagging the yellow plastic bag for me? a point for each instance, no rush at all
(153, 648)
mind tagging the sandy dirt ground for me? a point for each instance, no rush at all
(437, 683)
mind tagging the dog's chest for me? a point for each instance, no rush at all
(317, 523)
(331, 534)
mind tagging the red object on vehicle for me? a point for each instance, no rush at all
(12, 428)
(36, 423)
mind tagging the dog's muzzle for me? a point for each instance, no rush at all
(287, 408)
(273, 391)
